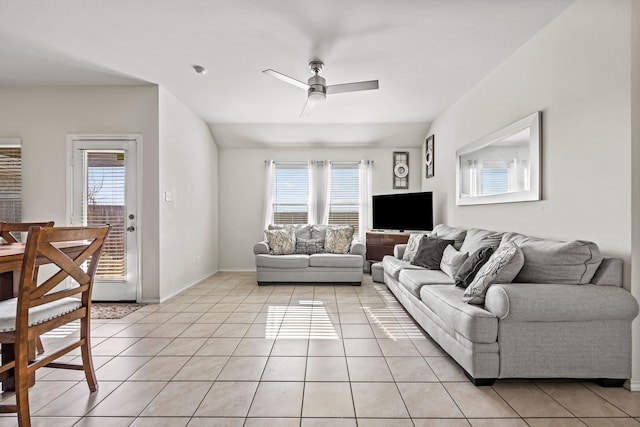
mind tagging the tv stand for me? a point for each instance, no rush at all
(381, 243)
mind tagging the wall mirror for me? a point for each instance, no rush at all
(502, 167)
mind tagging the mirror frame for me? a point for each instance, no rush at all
(533, 122)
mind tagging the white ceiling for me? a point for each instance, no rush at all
(425, 53)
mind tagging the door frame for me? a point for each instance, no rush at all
(137, 139)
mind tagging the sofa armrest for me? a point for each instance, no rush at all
(398, 250)
(529, 302)
(609, 273)
(358, 248)
(261, 248)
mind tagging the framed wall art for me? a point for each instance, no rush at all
(400, 170)
(429, 157)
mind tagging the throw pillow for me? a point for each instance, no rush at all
(475, 292)
(452, 260)
(309, 246)
(513, 267)
(468, 270)
(303, 231)
(282, 241)
(412, 246)
(430, 252)
(338, 240)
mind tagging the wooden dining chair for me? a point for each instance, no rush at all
(39, 308)
(6, 232)
(8, 228)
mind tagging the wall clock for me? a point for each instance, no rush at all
(400, 170)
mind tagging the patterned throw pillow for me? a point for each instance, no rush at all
(468, 270)
(452, 260)
(281, 242)
(475, 292)
(430, 252)
(338, 240)
(412, 246)
(309, 246)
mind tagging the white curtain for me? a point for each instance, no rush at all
(365, 214)
(267, 215)
(319, 186)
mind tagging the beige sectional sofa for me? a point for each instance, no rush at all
(565, 315)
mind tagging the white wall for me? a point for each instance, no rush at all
(43, 116)
(188, 223)
(242, 191)
(577, 71)
(635, 166)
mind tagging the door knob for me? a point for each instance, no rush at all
(131, 228)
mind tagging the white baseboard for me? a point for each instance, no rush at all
(184, 288)
(633, 385)
(237, 270)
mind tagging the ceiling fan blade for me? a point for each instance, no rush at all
(286, 79)
(308, 107)
(352, 87)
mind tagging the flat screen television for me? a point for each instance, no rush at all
(403, 211)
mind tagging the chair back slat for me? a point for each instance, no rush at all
(41, 244)
(7, 228)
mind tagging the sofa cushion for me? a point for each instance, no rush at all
(282, 261)
(449, 233)
(452, 260)
(412, 246)
(413, 280)
(309, 246)
(475, 292)
(319, 231)
(471, 321)
(477, 238)
(392, 266)
(335, 260)
(338, 240)
(282, 241)
(468, 270)
(430, 250)
(552, 261)
(303, 231)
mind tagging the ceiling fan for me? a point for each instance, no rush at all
(316, 87)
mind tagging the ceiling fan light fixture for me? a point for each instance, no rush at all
(317, 96)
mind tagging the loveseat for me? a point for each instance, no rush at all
(565, 314)
(310, 262)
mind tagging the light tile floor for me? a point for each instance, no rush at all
(227, 352)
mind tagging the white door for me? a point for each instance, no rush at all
(103, 190)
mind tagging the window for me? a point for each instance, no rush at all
(291, 193)
(319, 192)
(344, 195)
(10, 180)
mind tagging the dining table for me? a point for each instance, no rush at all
(11, 257)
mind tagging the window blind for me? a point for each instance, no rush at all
(494, 180)
(105, 204)
(10, 181)
(344, 196)
(291, 193)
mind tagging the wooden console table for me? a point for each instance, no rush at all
(380, 244)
